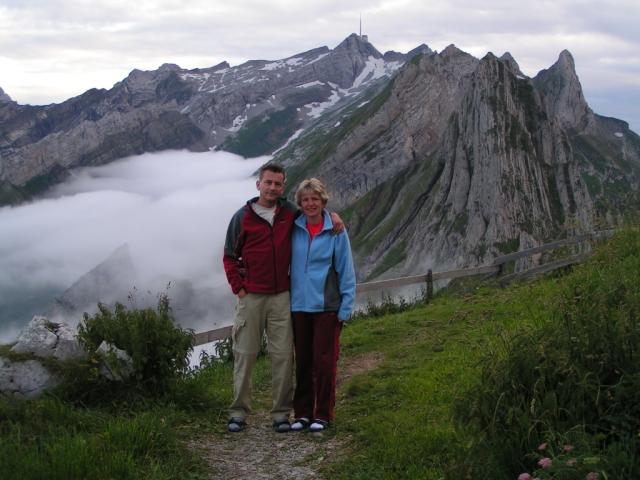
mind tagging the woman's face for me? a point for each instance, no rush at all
(311, 204)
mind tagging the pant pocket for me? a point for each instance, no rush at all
(239, 320)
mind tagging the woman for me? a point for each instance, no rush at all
(322, 293)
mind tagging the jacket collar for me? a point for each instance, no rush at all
(301, 221)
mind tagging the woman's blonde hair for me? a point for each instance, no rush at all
(315, 186)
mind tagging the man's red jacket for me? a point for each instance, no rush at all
(256, 255)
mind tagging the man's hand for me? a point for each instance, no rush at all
(338, 224)
(242, 293)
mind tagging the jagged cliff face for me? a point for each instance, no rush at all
(460, 160)
(251, 109)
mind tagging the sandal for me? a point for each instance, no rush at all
(318, 425)
(300, 424)
(281, 426)
(236, 424)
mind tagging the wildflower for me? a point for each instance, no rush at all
(525, 476)
(542, 446)
(593, 476)
(572, 462)
(568, 448)
(546, 463)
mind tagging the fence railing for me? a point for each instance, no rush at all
(496, 268)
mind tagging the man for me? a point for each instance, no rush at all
(257, 255)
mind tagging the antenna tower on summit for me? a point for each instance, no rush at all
(364, 38)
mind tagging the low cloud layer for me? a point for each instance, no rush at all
(171, 209)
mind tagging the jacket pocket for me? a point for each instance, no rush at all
(332, 297)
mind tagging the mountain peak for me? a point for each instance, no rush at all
(508, 59)
(489, 56)
(354, 43)
(563, 92)
(422, 48)
(566, 59)
(450, 50)
(4, 97)
(171, 67)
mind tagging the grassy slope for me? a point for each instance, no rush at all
(401, 415)
(406, 416)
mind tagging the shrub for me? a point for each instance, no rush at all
(575, 374)
(159, 349)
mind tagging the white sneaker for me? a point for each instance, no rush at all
(300, 424)
(318, 426)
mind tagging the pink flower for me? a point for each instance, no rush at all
(593, 476)
(572, 462)
(542, 446)
(525, 476)
(568, 448)
(546, 463)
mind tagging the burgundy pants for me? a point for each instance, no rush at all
(317, 345)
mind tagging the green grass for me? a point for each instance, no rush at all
(138, 438)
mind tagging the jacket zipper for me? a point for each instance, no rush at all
(273, 244)
(306, 262)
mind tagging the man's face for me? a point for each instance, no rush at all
(270, 186)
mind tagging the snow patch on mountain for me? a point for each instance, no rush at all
(291, 139)
(375, 68)
(316, 108)
(310, 84)
(237, 123)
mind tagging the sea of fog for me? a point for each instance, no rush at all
(171, 209)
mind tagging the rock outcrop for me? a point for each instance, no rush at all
(116, 364)
(40, 339)
(28, 379)
(43, 342)
(46, 339)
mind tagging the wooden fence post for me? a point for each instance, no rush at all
(429, 285)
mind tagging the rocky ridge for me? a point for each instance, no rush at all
(251, 109)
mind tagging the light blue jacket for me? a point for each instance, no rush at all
(322, 274)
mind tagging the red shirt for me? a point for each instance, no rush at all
(314, 229)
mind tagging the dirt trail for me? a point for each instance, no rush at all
(260, 453)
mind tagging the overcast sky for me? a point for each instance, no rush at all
(51, 50)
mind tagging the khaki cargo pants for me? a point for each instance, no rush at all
(256, 313)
